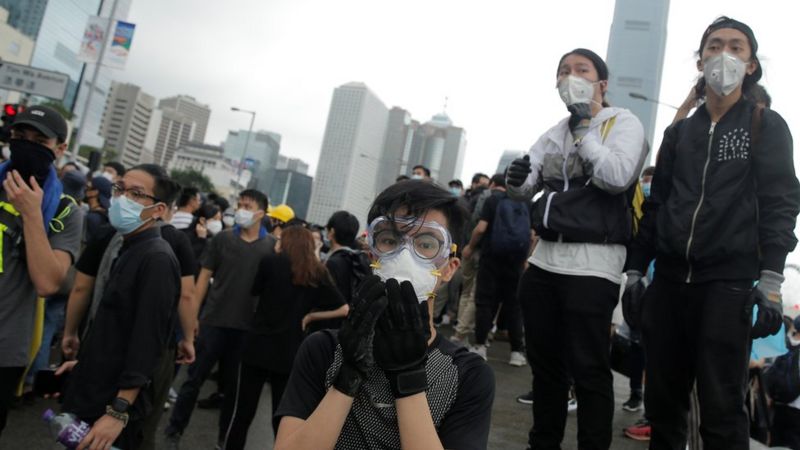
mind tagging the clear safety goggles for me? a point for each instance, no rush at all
(429, 242)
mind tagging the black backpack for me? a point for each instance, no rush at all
(783, 377)
(511, 229)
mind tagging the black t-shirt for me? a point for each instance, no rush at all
(487, 213)
(277, 333)
(340, 265)
(460, 395)
(92, 256)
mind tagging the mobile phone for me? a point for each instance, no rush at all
(46, 382)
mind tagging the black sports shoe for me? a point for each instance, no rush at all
(214, 401)
(526, 399)
(634, 403)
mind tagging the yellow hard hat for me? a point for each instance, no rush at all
(284, 213)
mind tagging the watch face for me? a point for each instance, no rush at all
(120, 405)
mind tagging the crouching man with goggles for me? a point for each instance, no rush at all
(387, 380)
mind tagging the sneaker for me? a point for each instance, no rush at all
(445, 319)
(639, 431)
(214, 401)
(480, 350)
(572, 405)
(633, 404)
(167, 405)
(517, 359)
(526, 399)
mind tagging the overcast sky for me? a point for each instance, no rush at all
(495, 61)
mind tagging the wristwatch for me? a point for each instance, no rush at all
(118, 409)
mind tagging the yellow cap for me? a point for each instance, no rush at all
(284, 213)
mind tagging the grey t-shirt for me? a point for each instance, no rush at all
(18, 295)
(234, 263)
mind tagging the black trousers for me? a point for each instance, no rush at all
(213, 344)
(496, 284)
(697, 332)
(245, 403)
(9, 380)
(568, 333)
(159, 389)
(786, 427)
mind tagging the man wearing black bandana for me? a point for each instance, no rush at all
(39, 238)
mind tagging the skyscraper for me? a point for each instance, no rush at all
(439, 146)
(636, 56)
(263, 147)
(191, 108)
(400, 130)
(174, 130)
(351, 149)
(287, 186)
(126, 121)
(26, 15)
(505, 160)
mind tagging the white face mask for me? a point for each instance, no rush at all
(403, 266)
(244, 218)
(724, 72)
(794, 342)
(108, 176)
(573, 89)
(416, 177)
(213, 226)
(229, 221)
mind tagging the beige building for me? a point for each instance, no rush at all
(192, 109)
(172, 130)
(125, 122)
(15, 47)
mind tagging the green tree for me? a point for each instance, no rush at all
(191, 177)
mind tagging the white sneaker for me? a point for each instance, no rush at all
(445, 319)
(480, 350)
(572, 405)
(517, 359)
(173, 395)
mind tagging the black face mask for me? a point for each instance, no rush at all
(31, 159)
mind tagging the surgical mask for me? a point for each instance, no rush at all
(793, 342)
(455, 191)
(244, 218)
(108, 176)
(31, 159)
(229, 221)
(646, 190)
(125, 214)
(724, 73)
(403, 266)
(416, 177)
(213, 226)
(574, 89)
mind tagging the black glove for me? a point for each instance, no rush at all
(518, 171)
(767, 295)
(578, 113)
(401, 340)
(632, 299)
(356, 335)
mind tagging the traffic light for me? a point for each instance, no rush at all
(10, 111)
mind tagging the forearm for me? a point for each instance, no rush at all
(78, 303)
(201, 287)
(322, 428)
(128, 394)
(325, 315)
(416, 424)
(188, 308)
(475, 239)
(46, 270)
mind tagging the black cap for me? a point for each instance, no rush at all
(48, 121)
(727, 22)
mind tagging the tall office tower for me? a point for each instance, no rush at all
(25, 15)
(439, 146)
(261, 147)
(351, 149)
(287, 186)
(396, 147)
(174, 130)
(126, 121)
(191, 108)
(296, 164)
(505, 160)
(636, 56)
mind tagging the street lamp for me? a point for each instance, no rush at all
(246, 141)
(639, 96)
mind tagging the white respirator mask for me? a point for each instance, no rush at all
(724, 73)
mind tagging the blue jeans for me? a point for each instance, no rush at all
(54, 315)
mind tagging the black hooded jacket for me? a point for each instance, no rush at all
(720, 208)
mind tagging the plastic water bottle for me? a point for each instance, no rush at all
(67, 428)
